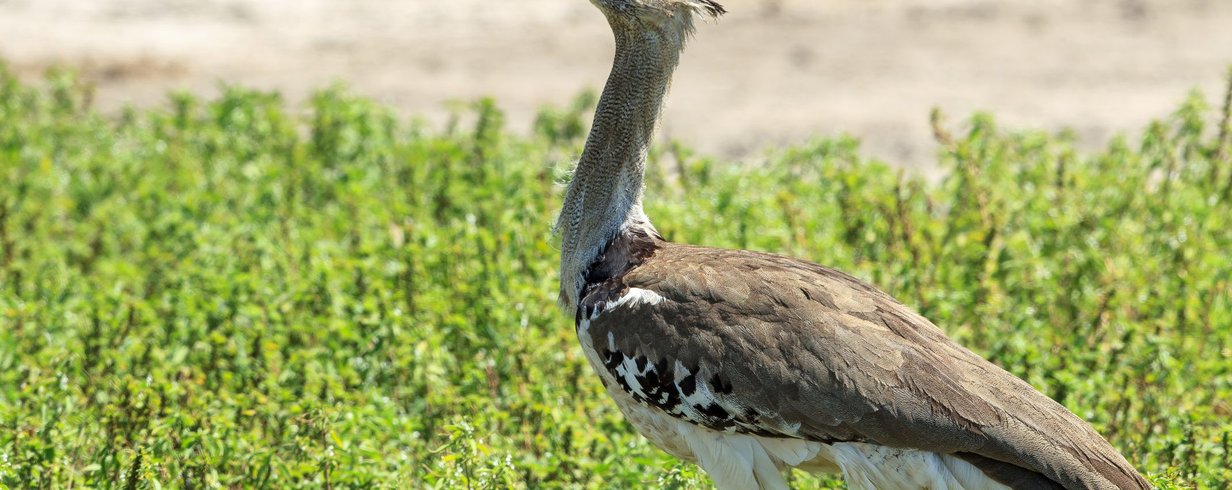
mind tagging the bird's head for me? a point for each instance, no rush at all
(657, 12)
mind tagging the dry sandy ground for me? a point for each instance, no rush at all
(771, 72)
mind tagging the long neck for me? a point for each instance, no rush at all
(605, 196)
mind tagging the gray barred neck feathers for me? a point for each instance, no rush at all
(604, 198)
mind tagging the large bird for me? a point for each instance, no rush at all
(748, 363)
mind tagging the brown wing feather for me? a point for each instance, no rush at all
(845, 361)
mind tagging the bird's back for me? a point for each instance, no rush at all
(792, 349)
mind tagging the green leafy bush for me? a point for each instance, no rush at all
(227, 294)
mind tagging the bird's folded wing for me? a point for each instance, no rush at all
(759, 343)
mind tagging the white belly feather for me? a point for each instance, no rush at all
(747, 461)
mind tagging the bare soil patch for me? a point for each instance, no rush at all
(772, 72)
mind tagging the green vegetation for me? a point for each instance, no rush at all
(227, 294)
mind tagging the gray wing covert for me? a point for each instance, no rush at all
(765, 344)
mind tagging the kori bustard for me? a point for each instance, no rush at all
(749, 363)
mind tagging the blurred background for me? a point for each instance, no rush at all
(772, 72)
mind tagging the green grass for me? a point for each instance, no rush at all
(231, 294)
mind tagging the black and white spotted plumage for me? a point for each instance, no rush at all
(670, 386)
